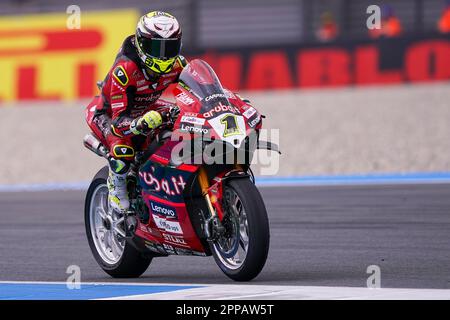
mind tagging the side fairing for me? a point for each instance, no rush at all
(169, 228)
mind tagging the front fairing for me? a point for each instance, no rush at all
(210, 112)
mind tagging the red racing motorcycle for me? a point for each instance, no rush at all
(191, 189)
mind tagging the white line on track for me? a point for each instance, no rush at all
(257, 292)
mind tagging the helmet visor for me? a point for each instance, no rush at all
(161, 48)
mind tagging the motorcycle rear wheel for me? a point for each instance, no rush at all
(242, 252)
(114, 255)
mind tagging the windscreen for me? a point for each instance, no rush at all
(202, 81)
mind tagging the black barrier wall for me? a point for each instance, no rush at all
(341, 63)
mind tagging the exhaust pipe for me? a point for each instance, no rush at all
(93, 144)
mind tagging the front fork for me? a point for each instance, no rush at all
(213, 226)
(213, 195)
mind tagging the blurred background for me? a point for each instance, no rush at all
(347, 100)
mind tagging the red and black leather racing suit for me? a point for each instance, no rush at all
(127, 93)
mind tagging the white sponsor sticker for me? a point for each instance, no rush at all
(169, 226)
(193, 120)
(254, 122)
(215, 96)
(193, 129)
(117, 105)
(184, 98)
(249, 112)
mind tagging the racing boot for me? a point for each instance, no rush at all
(118, 194)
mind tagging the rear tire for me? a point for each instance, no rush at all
(131, 263)
(258, 233)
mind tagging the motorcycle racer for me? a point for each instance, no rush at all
(129, 105)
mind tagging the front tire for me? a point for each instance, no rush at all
(242, 254)
(114, 255)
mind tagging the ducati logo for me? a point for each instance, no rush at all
(154, 86)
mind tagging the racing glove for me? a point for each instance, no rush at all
(170, 114)
(174, 112)
(149, 121)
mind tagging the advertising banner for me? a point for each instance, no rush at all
(41, 58)
(341, 63)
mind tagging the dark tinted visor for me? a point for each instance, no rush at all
(161, 48)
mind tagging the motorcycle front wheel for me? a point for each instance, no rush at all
(241, 251)
(106, 234)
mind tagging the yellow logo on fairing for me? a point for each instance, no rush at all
(231, 125)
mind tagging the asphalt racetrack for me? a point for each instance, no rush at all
(320, 236)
